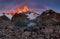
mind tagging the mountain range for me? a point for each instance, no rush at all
(48, 17)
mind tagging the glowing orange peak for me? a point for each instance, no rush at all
(25, 9)
(19, 10)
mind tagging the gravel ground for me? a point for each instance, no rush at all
(15, 32)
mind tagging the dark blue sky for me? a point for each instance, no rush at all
(6, 5)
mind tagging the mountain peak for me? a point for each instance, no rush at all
(49, 12)
(49, 16)
(20, 17)
(4, 17)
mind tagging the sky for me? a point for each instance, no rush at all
(38, 5)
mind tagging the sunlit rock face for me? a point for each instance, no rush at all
(49, 17)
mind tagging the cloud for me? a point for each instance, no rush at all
(11, 4)
(34, 4)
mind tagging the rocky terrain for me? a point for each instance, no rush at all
(47, 26)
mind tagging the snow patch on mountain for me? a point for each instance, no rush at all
(32, 16)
